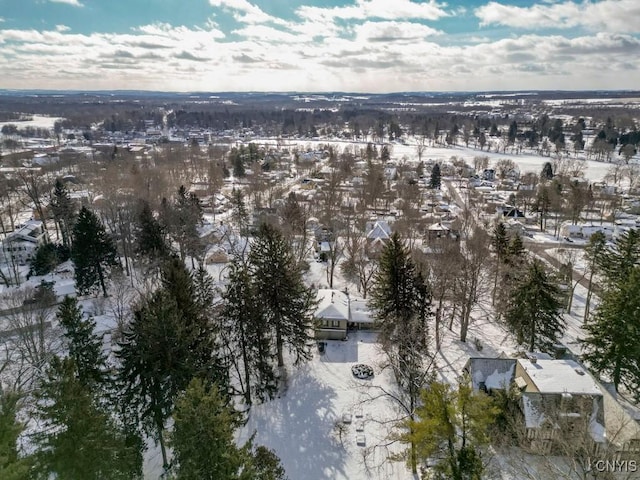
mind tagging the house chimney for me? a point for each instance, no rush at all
(331, 297)
(533, 359)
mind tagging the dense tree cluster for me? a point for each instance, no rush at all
(612, 344)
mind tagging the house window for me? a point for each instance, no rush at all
(335, 323)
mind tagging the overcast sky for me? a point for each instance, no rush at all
(319, 45)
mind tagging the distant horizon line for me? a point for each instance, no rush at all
(315, 92)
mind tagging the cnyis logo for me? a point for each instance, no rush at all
(614, 466)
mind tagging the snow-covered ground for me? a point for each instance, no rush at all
(300, 425)
(37, 121)
(527, 162)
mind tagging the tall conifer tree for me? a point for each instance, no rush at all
(170, 340)
(612, 344)
(79, 440)
(287, 302)
(400, 299)
(85, 347)
(93, 253)
(533, 314)
(248, 330)
(63, 212)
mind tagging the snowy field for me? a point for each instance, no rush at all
(527, 162)
(37, 121)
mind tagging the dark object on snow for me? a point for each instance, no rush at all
(321, 346)
(362, 371)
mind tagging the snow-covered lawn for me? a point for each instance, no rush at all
(300, 425)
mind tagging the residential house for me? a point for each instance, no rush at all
(332, 314)
(559, 396)
(585, 230)
(361, 316)
(489, 374)
(378, 235)
(622, 427)
(337, 313)
(21, 244)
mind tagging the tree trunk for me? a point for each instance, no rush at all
(587, 303)
(163, 449)
(279, 346)
(245, 362)
(102, 284)
(414, 453)
(617, 371)
(532, 338)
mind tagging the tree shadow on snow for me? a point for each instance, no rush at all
(298, 426)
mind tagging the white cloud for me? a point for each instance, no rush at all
(393, 31)
(264, 33)
(386, 9)
(62, 28)
(246, 12)
(605, 15)
(389, 55)
(74, 3)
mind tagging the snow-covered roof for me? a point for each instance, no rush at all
(495, 373)
(380, 229)
(559, 376)
(360, 312)
(332, 304)
(439, 227)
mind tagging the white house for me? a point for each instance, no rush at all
(21, 244)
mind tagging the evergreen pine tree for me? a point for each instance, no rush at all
(151, 239)
(547, 171)
(616, 263)
(400, 299)
(287, 302)
(499, 242)
(85, 347)
(45, 259)
(12, 466)
(93, 253)
(239, 212)
(78, 440)
(264, 464)
(513, 132)
(203, 440)
(63, 212)
(170, 340)
(393, 296)
(435, 180)
(203, 435)
(153, 364)
(249, 334)
(612, 344)
(594, 249)
(533, 314)
(193, 295)
(515, 249)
